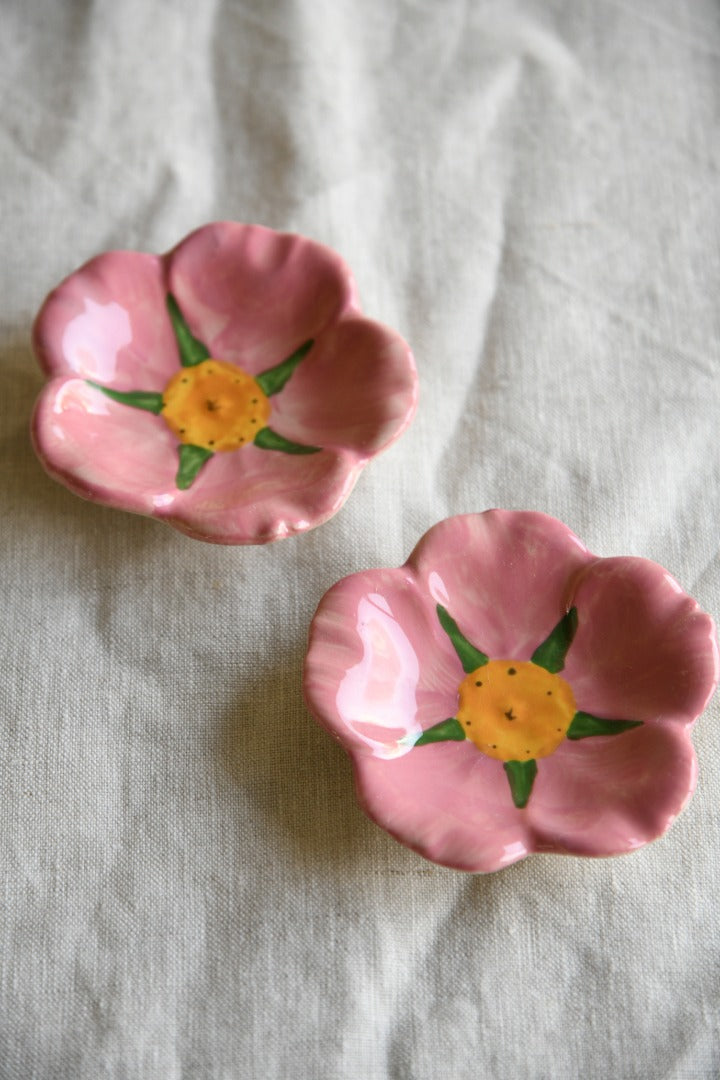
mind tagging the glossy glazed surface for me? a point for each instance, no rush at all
(437, 678)
(143, 411)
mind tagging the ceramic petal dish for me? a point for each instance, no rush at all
(231, 388)
(507, 692)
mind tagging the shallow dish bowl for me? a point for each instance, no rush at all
(508, 692)
(231, 388)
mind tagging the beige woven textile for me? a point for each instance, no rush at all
(528, 191)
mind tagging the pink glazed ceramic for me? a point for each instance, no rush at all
(507, 692)
(231, 388)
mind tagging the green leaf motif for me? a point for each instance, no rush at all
(521, 777)
(584, 725)
(552, 652)
(139, 399)
(191, 350)
(272, 381)
(470, 657)
(446, 731)
(267, 439)
(192, 459)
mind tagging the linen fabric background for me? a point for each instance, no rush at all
(528, 191)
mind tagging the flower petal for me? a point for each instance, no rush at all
(449, 803)
(373, 676)
(643, 650)
(108, 322)
(253, 295)
(356, 389)
(612, 794)
(252, 496)
(505, 576)
(103, 450)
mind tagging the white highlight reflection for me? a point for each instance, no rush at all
(437, 589)
(512, 852)
(92, 340)
(674, 585)
(377, 697)
(79, 397)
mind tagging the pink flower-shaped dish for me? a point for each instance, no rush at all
(231, 388)
(507, 692)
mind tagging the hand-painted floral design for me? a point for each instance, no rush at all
(508, 692)
(231, 387)
(518, 710)
(211, 406)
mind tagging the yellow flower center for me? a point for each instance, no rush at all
(515, 710)
(215, 405)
